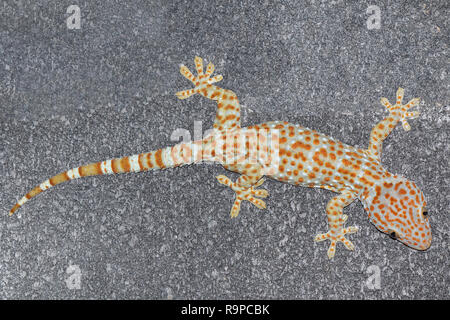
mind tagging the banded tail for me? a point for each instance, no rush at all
(170, 157)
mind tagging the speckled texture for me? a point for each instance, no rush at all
(69, 97)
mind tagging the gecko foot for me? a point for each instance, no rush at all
(201, 81)
(243, 193)
(401, 110)
(336, 238)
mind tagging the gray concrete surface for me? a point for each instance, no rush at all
(70, 97)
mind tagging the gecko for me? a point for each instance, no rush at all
(292, 154)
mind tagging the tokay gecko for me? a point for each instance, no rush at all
(293, 154)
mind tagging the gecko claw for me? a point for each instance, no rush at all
(337, 238)
(200, 81)
(400, 110)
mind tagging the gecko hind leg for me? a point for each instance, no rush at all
(245, 186)
(243, 193)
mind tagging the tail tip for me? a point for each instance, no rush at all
(14, 209)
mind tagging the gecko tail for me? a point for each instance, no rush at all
(170, 157)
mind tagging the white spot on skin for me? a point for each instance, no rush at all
(175, 155)
(45, 185)
(197, 151)
(134, 163)
(106, 168)
(167, 157)
(22, 201)
(74, 173)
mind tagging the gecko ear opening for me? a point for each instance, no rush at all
(392, 234)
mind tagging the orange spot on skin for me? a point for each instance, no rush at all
(378, 190)
(98, 168)
(158, 158)
(215, 94)
(66, 175)
(114, 166)
(346, 162)
(296, 145)
(141, 165)
(58, 179)
(125, 163)
(329, 165)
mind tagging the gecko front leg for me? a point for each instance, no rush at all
(245, 186)
(336, 220)
(228, 114)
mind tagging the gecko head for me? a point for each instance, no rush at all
(397, 207)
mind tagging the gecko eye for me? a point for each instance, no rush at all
(392, 234)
